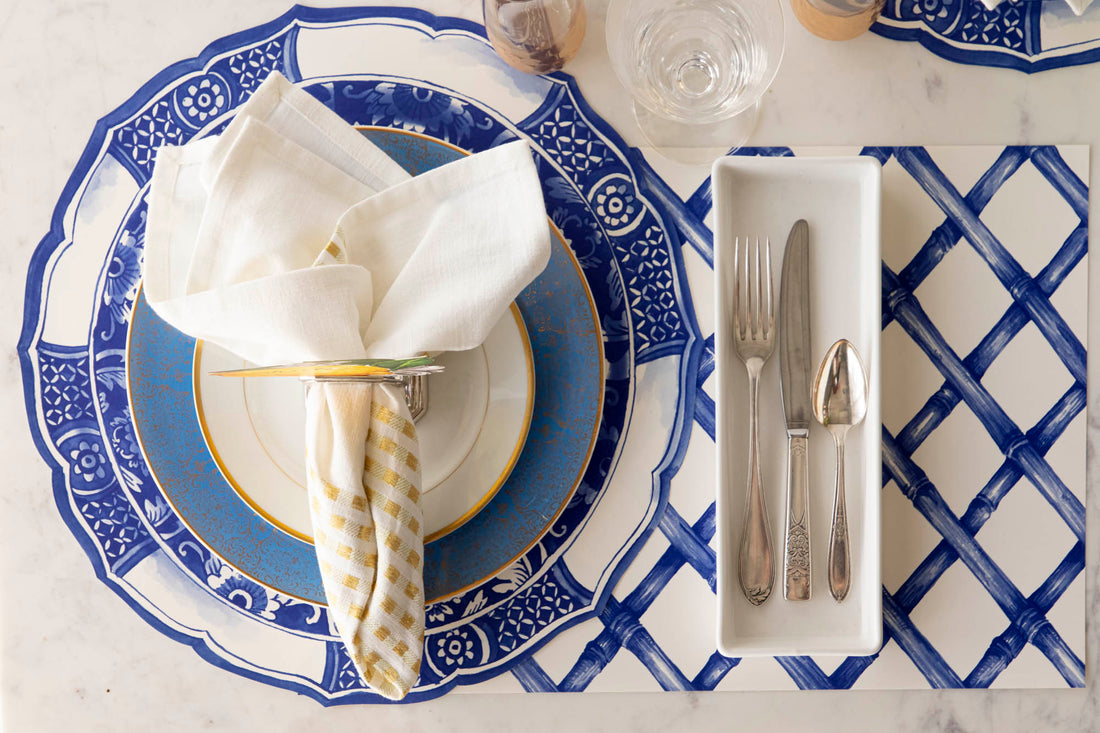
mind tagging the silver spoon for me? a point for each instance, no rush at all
(840, 401)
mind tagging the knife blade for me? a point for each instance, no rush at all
(795, 361)
(370, 369)
(795, 366)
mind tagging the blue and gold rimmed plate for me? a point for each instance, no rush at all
(111, 389)
(234, 501)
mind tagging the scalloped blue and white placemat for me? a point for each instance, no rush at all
(1025, 35)
(984, 297)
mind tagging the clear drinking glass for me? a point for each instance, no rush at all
(535, 36)
(696, 69)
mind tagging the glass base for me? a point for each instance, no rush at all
(687, 143)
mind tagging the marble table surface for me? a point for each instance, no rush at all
(70, 659)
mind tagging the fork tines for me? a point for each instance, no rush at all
(754, 307)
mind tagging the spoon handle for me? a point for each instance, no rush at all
(756, 566)
(840, 577)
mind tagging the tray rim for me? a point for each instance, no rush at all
(870, 640)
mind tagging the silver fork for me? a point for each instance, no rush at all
(754, 339)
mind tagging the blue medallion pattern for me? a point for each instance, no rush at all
(202, 100)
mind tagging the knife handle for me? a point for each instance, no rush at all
(796, 545)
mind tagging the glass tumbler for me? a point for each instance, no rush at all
(696, 69)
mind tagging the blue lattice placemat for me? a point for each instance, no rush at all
(984, 393)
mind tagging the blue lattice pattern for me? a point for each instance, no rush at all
(563, 133)
(1024, 452)
(63, 370)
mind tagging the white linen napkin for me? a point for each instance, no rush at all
(291, 237)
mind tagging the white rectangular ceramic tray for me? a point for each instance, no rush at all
(840, 199)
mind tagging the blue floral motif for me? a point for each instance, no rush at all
(558, 188)
(586, 493)
(157, 510)
(451, 650)
(420, 109)
(514, 576)
(121, 432)
(439, 613)
(88, 461)
(932, 11)
(122, 279)
(583, 236)
(607, 435)
(615, 204)
(241, 591)
(199, 101)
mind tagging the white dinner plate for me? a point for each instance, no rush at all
(479, 411)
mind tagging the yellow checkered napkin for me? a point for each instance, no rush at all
(364, 492)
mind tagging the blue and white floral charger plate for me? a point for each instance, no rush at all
(110, 389)
(1026, 35)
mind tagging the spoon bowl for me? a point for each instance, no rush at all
(839, 403)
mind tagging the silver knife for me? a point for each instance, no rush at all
(367, 370)
(795, 366)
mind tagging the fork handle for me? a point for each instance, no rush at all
(756, 565)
